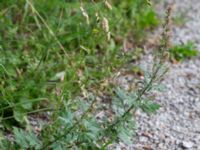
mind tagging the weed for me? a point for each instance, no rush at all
(43, 39)
(184, 51)
(54, 55)
(180, 19)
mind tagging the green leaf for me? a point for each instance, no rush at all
(20, 138)
(92, 127)
(125, 136)
(26, 139)
(33, 140)
(159, 87)
(27, 105)
(149, 106)
(19, 115)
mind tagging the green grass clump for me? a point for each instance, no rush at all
(53, 52)
(41, 40)
(184, 51)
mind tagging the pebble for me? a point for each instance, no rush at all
(187, 145)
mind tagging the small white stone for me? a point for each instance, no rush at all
(143, 139)
(187, 144)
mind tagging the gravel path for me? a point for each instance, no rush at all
(176, 125)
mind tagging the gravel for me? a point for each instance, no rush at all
(176, 125)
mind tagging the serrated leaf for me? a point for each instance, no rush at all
(20, 138)
(149, 106)
(67, 118)
(159, 87)
(33, 140)
(26, 139)
(125, 136)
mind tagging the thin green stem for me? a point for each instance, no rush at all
(48, 27)
(31, 112)
(141, 93)
(24, 102)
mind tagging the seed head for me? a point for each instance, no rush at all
(105, 26)
(108, 5)
(85, 14)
